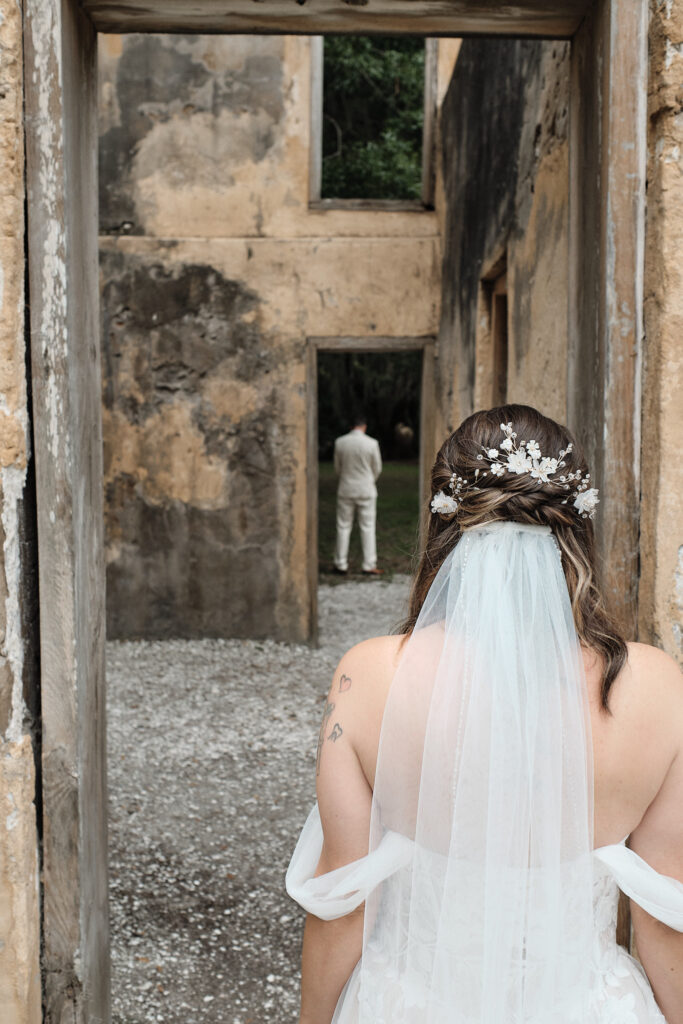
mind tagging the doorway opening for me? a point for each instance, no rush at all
(344, 371)
(384, 388)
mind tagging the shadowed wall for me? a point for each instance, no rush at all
(505, 171)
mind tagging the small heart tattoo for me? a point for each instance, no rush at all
(344, 683)
(336, 732)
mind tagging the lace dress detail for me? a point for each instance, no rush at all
(621, 993)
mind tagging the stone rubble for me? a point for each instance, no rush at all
(211, 775)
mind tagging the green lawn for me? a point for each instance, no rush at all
(397, 520)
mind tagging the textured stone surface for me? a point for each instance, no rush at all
(505, 167)
(661, 559)
(214, 273)
(12, 375)
(212, 773)
(20, 997)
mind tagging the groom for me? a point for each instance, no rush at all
(357, 463)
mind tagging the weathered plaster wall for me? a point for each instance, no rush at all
(505, 171)
(20, 998)
(214, 273)
(661, 562)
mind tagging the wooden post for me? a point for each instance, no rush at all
(607, 231)
(315, 142)
(607, 227)
(312, 485)
(429, 443)
(61, 147)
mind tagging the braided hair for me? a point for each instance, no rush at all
(521, 498)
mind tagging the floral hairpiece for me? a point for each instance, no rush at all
(521, 458)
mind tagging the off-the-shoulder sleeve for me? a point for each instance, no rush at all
(340, 891)
(659, 895)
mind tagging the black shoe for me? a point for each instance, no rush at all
(340, 572)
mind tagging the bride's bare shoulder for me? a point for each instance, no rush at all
(372, 660)
(651, 684)
(650, 664)
(359, 691)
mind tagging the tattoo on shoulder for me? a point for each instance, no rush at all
(344, 683)
(336, 732)
(329, 708)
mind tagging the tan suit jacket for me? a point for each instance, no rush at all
(357, 463)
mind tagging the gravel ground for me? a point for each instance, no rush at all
(211, 776)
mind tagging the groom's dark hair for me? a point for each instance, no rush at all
(360, 420)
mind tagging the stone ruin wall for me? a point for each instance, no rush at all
(214, 273)
(506, 114)
(20, 994)
(506, 179)
(661, 525)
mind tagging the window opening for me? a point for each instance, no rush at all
(372, 119)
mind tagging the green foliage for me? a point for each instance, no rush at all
(373, 95)
(384, 386)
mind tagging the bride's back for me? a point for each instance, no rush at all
(638, 762)
(637, 741)
(483, 750)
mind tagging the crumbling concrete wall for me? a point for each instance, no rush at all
(505, 170)
(20, 997)
(214, 273)
(505, 157)
(661, 561)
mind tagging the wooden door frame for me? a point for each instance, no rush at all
(607, 195)
(421, 343)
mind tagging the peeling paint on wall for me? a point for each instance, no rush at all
(184, 116)
(192, 446)
(20, 995)
(12, 645)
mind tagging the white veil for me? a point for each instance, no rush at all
(485, 762)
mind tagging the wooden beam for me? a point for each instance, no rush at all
(315, 146)
(383, 205)
(371, 344)
(61, 147)
(546, 18)
(429, 121)
(607, 228)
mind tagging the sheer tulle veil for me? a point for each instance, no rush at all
(485, 764)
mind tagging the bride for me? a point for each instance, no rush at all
(480, 774)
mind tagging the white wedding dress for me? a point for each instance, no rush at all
(621, 992)
(485, 902)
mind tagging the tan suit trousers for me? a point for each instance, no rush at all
(366, 510)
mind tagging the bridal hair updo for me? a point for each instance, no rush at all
(521, 498)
